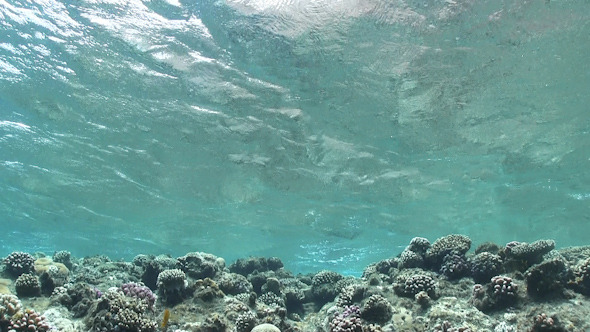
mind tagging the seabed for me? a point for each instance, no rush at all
(444, 285)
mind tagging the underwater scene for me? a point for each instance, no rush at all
(294, 165)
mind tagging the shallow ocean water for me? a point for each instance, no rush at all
(325, 133)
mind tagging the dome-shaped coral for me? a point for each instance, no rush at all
(19, 262)
(171, 285)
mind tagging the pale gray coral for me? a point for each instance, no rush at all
(530, 253)
(351, 294)
(324, 287)
(171, 279)
(345, 297)
(326, 277)
(580, 281)
(454, 243)
(131, 320)
(419, 245)
(19, 262)
(410, 259)
(234, 307)
(415, 284)
(166, 262)
(201, 265)
(271, 299)
(372, 328)
(245, 322)
(64, 257)
(345, 282)
(422, 298)
(27, 285)
(386, 267)
(484, 266)
(547, 279)
(233, 283)
(265, 328)
(294, 291)
(454, 266)
(272, 285)
(115, 311)
(171, 285)
(377, 309)
(246, 266)
(206, 290)
(76, 297)
(51, 277)
(247, 298)
(544, 323)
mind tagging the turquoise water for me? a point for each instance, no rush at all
(325, 133)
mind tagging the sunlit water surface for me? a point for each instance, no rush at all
(327, 133)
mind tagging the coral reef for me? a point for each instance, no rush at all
(377, 309)
(246, 266)
(51, 274)
(347, 321)
(64, 257)
(528, 253)
(171, 285)
(427, 287)
(447, 327)
(265, 328)
(504, 287)
(76, 297)
(206, 290)
(455, 266)
(408, 259)
(415, 284)
(547, 279)
(485, 265)
(544, 323)
(233, 283)
(350, 294)
(581, 278)
(115, 311)
(245, 322)
(139, 291)
(45, 264)
(501, 292)
(19, 262)
(419, 245)
(9, 306)
(29, 321)
(27, 285)
(323, 286)
(200, 265)
(454, 243)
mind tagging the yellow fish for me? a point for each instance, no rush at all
(166, 318)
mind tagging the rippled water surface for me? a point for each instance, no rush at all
(328, 133)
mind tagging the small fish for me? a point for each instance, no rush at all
(165, 318)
